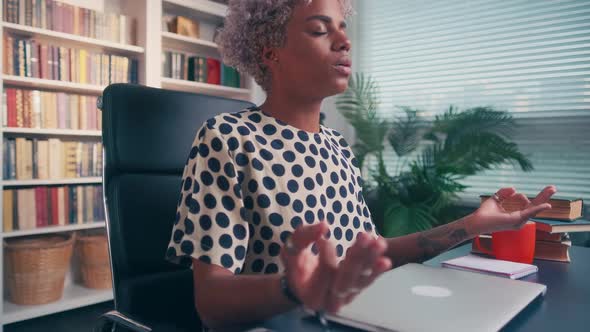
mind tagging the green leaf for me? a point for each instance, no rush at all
(359, 106)
(405, 134)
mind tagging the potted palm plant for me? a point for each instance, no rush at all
(434, 154)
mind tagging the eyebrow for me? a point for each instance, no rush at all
(324, 18)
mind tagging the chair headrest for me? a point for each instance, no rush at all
(151, 130)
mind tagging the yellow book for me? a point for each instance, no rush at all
(70, 159)
(20, 143)
(43, 159)
(83, 54)
(55, 165)
(26, 209)
(8, 60)
(63, 69)
(74, 111)
(51, 111)
(7, 209)
(36, 100)
(19, 109)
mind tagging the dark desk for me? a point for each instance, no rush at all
(565, 307)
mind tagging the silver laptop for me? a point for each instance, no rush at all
(416, 297)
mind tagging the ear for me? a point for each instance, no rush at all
(269, 56)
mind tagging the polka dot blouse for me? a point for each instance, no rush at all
(251, 180)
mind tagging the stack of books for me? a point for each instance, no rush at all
(553, 228)
(37, 207)
(64, 17)
(199, 69)
(26, 159)
(26, 108)
(28, 57)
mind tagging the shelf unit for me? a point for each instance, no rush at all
(152, 39)
(52, 85)
(37, 182)
(74, 296)
(66, 38)
(54, 229)
(52, 132)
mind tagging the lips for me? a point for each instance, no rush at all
(343, 65)
(344, 62)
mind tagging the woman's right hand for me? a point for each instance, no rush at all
(312, 278)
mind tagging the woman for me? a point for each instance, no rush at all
(271, 211)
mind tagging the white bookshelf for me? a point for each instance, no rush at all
(176, 41)
(53, 85)
(203, 7)
(50, 182)
(74, 296)
(52, 132)
(54, 229)
(151, 41)
(71, 39)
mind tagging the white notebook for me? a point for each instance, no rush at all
(506, 269)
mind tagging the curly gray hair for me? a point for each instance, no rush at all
(250, 26)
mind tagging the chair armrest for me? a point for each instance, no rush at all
(116, 317)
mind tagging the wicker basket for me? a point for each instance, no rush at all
(36, 268)
(94, 261)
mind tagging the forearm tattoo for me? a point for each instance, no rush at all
(438, 240)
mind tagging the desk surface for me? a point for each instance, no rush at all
(564, 307)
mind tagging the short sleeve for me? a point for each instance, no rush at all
(210, 223)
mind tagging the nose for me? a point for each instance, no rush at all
(342, 43)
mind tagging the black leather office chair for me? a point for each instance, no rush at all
(147, 134)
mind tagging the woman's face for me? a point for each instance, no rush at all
(314, 62)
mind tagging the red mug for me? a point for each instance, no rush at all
(513, 245)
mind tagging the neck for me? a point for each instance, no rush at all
(295, 111)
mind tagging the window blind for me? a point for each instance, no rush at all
(531, 58)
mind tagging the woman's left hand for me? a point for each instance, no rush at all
(491, 217)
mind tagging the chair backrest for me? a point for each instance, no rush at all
(147, 134)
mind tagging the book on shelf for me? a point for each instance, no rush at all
(43, 206)
(562, 208)
(183, 26)
(559, 226)
(198, 69)
(64, 17)
(38, 59)
(50, 110)
(213, 71)
(229, 76)
(50, 159)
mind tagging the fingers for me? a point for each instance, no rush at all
(521, 200)
(544, 195)
(306, 235)
(532, 210)
(358, 258)
(381, 265)
(505, 193)
(324, 274)
(363, 263)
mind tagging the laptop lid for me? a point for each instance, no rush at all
(415, 297)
